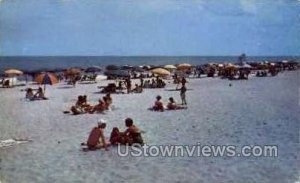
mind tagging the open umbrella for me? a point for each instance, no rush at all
(117, 73)
(184, 66)
(112, 67)
(73, 71)
(46, 79)
(170, 67)
(160, 72)
(13, 72)
(93, 69)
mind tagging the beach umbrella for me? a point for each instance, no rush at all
(46, 79)
(138, 69)
(73, 71)
(112, 67)
(170, 67)
(93, 69)
(13, 72)
(160, 72)
(184, 66)
(117, 73)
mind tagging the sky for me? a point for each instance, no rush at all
(149, 27)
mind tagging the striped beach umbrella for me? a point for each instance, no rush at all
(46, 79)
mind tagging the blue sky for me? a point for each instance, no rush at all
(149, 27)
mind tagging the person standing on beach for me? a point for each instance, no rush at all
(128, 84)
(182, 94)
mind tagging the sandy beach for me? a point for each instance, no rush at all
(258, 111)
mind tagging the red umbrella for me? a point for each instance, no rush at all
(46, 79)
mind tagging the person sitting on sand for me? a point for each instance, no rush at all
(172, 104)
(132, 133)
(96, 138)
(108, 98)
(158, 105)
(117, 137)
(40, 95)
(137, 89)
(29, 94)
(99, 108)
(84, 101)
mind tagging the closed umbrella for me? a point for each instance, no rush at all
(160, 72)
(184, 66)
(46, 79)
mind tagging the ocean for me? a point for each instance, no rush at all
(32, 63)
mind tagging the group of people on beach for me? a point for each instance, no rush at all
(172, 105)
(39, 95)
(131, 136)
(82, 106)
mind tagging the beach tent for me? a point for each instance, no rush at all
(73, 71)
(160, 72)
(46, 79)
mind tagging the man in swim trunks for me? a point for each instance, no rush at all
(96, 138)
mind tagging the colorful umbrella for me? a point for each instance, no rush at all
(46, 79)
(161, 72)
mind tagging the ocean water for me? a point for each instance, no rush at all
(58, 62)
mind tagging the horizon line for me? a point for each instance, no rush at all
(148, 55)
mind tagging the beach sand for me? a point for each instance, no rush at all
(260, 111)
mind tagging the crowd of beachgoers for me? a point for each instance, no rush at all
(134, 79)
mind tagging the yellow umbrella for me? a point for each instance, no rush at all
(161, 72)
(13, 72)
(184, 66)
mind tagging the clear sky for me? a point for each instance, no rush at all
(149, 27)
